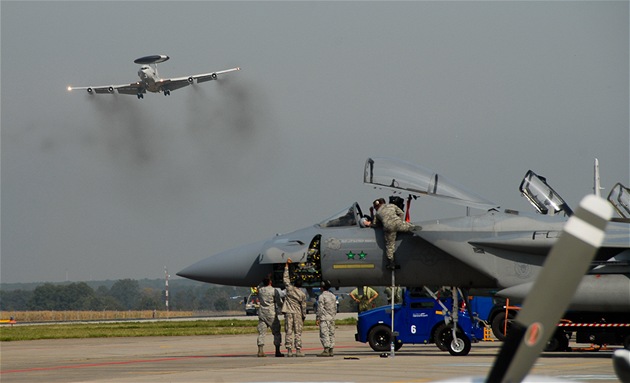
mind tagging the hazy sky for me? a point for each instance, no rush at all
(112, 187)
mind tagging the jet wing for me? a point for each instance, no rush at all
(132, 89)
(180, 82)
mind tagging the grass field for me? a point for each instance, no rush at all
(135, 329)
(52, 316)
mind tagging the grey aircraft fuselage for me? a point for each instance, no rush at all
(494, 250)
(499, 250)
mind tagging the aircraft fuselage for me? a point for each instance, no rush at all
(149, 79)
(495, 250)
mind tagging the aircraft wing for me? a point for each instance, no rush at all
(133, 89)
(180, 82)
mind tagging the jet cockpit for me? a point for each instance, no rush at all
(347, 217)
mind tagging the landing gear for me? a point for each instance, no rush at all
(140, 95)
(458, 346)
(167, 92)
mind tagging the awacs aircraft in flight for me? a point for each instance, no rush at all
(150, 80)
(502, 250)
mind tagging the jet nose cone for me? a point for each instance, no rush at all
(234, 267)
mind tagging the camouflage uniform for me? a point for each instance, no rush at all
(397, 294)
(267, 315)
(390, 217)
(364, 295)
(294, 309)
(326, 311)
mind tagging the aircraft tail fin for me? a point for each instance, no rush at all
(597, 186)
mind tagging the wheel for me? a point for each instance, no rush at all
(438, 337)
(498, 324)
(558, 342)
(458, 346)
(380, 337)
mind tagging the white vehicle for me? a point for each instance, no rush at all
(150, 80)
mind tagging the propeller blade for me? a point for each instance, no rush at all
(566, 264)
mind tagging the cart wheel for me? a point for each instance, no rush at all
(380, 337)
(498, 324)
(438, 337)
(558, 342)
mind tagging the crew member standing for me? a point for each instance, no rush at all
(364, 296)
(326, 311)
(294, 309)
(396, 294)
(270, 306)
(391, 218)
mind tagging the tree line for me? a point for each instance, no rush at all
(124, 294)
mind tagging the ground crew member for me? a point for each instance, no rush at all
(364, 296)
(397, 294)
(270, 306)
(294, 309)
(390, 217)
(326, 311)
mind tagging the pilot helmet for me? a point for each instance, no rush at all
(378, 202)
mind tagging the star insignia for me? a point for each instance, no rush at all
(362, 255)
(350, 255)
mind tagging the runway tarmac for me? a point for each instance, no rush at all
(233, 359)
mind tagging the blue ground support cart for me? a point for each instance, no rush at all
(420, 319)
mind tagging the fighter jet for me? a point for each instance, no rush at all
(536, 323)
(151, 81)
(501, 250)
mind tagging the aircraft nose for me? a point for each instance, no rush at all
(234, 267)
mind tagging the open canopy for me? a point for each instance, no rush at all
(619, 197)
(542, 196)
(395, 174)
